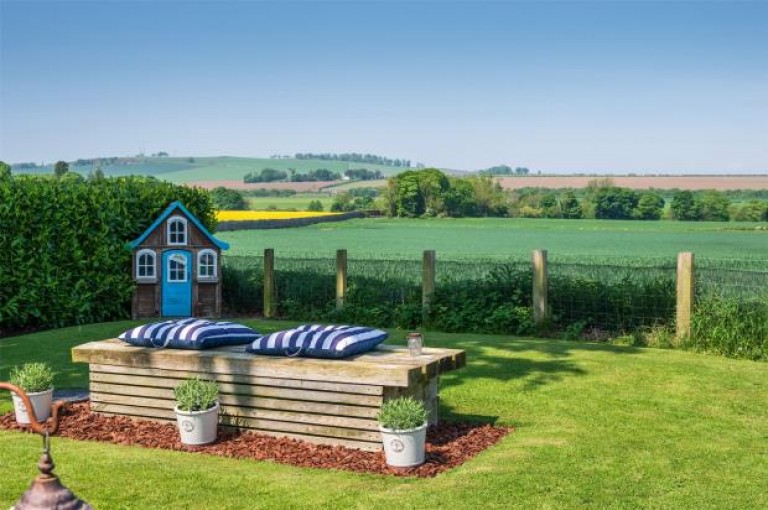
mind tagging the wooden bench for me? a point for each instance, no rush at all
(318, 400)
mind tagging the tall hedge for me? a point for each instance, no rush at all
(62, 244)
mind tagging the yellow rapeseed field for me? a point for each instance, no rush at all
(267, 215)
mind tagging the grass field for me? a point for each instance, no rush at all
(597, 426)
(299, 202)
(505, 238)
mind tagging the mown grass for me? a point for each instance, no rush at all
(597, 426)
(611, 240)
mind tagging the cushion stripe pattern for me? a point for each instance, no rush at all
(319, 341)
(189, 334)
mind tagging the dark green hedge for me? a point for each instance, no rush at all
(62, 245)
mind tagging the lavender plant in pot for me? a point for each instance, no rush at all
(403, 427)
(197, 411)
(36, 379)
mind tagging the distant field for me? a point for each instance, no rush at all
(223, 168)
(301, 187)
(691, 182)
(298, 202)
(509, 238)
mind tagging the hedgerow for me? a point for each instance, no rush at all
(62, 244)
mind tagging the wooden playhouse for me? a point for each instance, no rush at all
(176, 267)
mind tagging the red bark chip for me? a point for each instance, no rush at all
(448, 444)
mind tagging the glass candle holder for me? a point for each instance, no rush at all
(415, 344)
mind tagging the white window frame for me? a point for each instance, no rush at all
(183, 221)
(168, 269)
(215, 276)
(153, 255)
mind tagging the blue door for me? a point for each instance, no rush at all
(177, 283)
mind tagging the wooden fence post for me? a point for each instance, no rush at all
(269, 283)
(427, 282)
(540, 286)
(685, 294)
(341, 278)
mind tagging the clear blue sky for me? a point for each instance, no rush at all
(556, 86)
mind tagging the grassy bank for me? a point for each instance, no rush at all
(597, 426)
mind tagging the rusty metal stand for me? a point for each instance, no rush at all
(46, 491)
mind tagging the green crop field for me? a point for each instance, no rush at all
(183, 170)
(299, 202)
(505, 238)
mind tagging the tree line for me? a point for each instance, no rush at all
(431, 193)
(291, 175)
(354, 157)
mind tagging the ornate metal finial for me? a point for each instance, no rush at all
(46, 491)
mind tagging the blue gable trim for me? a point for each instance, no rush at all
(164, 216)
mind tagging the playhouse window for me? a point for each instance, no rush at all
(206, 265)
(145, 265)
(177, 268)
(177, 230)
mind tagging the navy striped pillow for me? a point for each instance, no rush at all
(189, 334)
(319, 341)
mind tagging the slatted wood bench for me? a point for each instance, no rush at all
(317, 400)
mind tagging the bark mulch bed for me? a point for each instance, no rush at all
(448, 444)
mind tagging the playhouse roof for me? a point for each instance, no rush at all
(170, 209)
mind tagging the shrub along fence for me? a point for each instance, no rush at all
(661, 304)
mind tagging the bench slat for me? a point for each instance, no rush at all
(362, 389)
(147, 413)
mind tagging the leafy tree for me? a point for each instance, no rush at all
(460, 199)
(265, 175)
(5, 170)
(650, 206)
(548, 206)
(315, 206)
(96, 174)
(569, 206)
(713, 206)
(615, 203)
(226, 199)
(521, 170)
(754, 210)
(489, 196)
(685, 207)
(60, 168)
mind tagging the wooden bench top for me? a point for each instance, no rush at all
(385, 366)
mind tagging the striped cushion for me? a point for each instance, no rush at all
(189, 334)
(318, 341)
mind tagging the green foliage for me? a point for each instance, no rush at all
(650, 206)
(64, 259)
(713, 206)
(196, 394)
(730, 327)
(569, 206)
(226, 199)
(684, 206)
(615, 203)
(60, 168)
(5, 170)
(315, 205)
(32, 377)
(402, 413)
(754, 210)
(265, 175)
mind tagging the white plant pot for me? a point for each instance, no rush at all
(41, 403)
(198, 427)
(404, 448)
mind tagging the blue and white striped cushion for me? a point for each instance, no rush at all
(189, 334)
(318, 341)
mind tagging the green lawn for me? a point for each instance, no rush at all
(507, 237)
(597, 426)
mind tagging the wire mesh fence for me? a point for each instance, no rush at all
(589, 299)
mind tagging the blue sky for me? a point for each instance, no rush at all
(617, 86)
